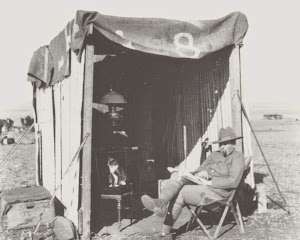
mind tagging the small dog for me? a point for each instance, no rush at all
(117, 174)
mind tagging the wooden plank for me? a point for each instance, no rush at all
(247, 145)
(39, 170)
(87, 127)
(238, 121)
(58, 140)
(46, 127)
(235, 86)
(65, 139)
(38, 167)
(76, 96)
(68, 96)
(261, 198)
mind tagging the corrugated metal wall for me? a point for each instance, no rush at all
(205, 106)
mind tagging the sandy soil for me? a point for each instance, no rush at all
(280, 141)
(19, 170)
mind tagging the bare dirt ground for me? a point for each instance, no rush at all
(19, 170)
(280, 141)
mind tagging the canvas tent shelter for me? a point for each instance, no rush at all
(180, 79)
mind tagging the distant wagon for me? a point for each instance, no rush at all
(181, 81)
(273, 116)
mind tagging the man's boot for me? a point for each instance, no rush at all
(159, 206)
(165, 233)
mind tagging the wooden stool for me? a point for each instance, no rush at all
(119, 195)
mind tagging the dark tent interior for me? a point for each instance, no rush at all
(162, 94)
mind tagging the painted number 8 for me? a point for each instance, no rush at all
(186, 50)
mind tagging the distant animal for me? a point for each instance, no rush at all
(3, 126)
(3, 122)
(117, 174)
(27, 122)
(10, 123)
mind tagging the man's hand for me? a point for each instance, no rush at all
(202, 174)
(206, 182)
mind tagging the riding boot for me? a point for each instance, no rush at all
(159, 206)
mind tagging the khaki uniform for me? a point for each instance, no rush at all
(225, 173)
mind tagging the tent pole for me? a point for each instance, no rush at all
(87, 127)
(262, 153)
(235, 85)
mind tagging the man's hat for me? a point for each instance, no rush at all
(226, 135)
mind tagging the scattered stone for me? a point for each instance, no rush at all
(64, 228)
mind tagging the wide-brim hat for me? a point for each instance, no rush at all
(226, 135)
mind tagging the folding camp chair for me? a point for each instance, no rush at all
(230, 203)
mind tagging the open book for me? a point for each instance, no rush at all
(186, 175)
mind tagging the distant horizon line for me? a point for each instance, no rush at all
(28, 104)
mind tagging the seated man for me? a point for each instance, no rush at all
(220, 173)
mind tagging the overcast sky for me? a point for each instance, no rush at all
(270, 55)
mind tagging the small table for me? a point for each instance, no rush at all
(111, 193)
(119, 197)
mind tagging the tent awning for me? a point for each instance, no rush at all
(173, 38)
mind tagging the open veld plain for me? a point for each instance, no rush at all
(280, 141)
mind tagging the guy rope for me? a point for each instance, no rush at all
(246, 116)
(14, 148)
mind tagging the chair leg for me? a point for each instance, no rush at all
(194, 215)
(119, 207)
(240, 218)
(131, 209)
(212, 218)
(235, 216)
(198, 209)
(221, 222)
(192, 219)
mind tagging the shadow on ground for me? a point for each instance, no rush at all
(145, 224)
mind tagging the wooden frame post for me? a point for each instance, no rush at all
(87, 127)
(235, 87)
